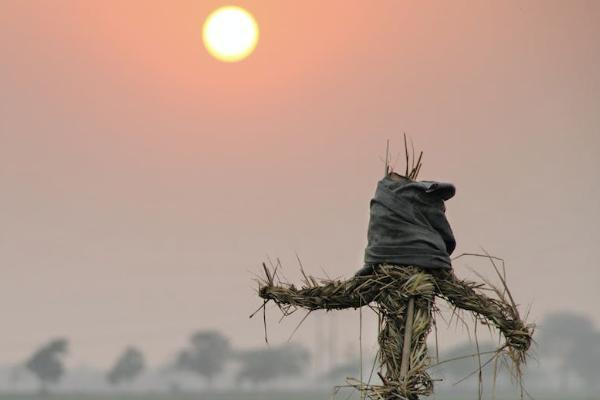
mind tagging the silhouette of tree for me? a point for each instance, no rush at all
(262, 365)
(206, 356)
(128, 366)
(574, 342)
(584, 359)
(340, 372)
(462, 360)
(46, 363)
(559, 331)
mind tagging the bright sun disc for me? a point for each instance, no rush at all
(230, 33)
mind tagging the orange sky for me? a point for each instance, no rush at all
(142, 179)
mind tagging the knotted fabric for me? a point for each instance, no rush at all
(408, 224)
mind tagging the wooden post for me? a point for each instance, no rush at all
(407, 338)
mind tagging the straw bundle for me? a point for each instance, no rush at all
(404, 296)
(387, 290)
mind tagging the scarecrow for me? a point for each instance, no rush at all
(407, 267)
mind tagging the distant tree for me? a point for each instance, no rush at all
(267, 364)
(15, 375)
(206, 356)
(339, 373)
(574, 342)
(462, 360)
(559, 331)
(128, 366)
(584, 360)
(46, 363)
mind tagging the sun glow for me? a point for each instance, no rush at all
(230, 34)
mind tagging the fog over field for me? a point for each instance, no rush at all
(565, 361)
(143, 183)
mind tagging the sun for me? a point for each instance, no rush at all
(230, 33)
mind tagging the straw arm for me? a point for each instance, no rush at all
(499, 312)
(332, 295)
(355, 292)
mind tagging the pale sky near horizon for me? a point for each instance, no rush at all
(143, 182)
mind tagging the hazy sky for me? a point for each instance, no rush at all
(143, 182)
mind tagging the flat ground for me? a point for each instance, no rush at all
(267, 395)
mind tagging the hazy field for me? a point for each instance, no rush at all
(164, 396)
(270, 395)
(267, 395)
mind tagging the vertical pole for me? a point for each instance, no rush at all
(387, 158)
(407, 338)
(319, 335)
(362, 385)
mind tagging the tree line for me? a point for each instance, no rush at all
(567, 341)
(206, 356)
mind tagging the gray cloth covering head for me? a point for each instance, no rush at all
(408, 225)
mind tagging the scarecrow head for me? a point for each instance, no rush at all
(408, 224)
